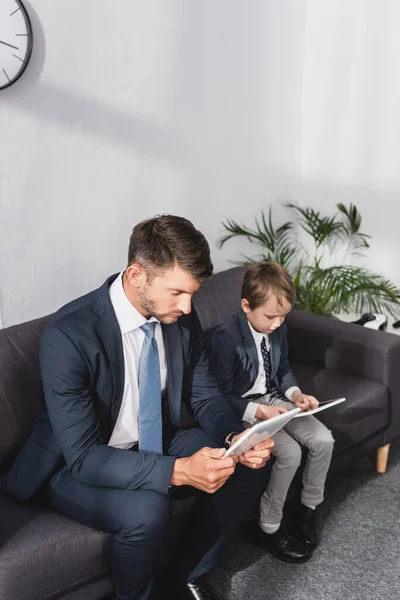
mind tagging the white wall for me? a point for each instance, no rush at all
(350, 124)
(204, 108)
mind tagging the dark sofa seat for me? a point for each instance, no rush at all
(367, 411)
(45, 556)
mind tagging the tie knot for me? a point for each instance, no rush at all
(149, 328)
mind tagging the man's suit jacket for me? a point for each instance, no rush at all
(82, 375)
(234, 359)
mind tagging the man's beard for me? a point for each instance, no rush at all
(150, 307)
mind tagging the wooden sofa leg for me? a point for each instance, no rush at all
(381, 458)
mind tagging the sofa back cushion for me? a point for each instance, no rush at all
(307, 344)
(19, 386)
(219, 298)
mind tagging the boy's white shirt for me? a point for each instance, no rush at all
(260, 384)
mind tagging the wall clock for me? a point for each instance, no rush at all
(15, 41)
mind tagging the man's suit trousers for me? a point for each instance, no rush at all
(141, 522)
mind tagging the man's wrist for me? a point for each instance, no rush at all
(228, 441)
(179, 476)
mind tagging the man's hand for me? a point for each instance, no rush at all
(264, 411)
(304, 401)
(205, 470)
(257, 457)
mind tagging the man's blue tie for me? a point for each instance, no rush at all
(150, 417)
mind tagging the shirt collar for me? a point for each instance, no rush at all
(128, 317)
(258, 337)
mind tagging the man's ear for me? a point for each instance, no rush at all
(135, 275)
(246, 306)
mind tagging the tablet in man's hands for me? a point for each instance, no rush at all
(260, 432)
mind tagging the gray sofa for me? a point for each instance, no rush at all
(44, 555)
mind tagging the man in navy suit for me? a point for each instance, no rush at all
(132, 411)
(249, 354)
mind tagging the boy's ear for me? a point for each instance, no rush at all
(245, 306)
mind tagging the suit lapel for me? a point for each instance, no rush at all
(274, 352)
(248, 341)
(173, 349)
(251, 349)
(110, 335)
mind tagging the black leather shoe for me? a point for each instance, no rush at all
(197, 590)
(307, 526)
(281, 545)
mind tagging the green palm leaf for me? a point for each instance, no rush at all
(325, 291)
(276, 242)
(355, 289)
(321, 229)
(351, 227)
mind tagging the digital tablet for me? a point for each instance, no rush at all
(322, 406)
(260, 432)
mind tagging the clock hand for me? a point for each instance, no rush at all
(5, 43)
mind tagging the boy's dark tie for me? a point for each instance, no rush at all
(267, 365)
(270, 387)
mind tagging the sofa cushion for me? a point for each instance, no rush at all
(43, 553)
(365, 412)
(19, 386)
(305, 375)
(101, 589)
(306, 344)
(219, 297)
(53, 556)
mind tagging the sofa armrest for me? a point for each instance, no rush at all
(350, 348)
(353, 349)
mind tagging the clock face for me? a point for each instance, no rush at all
(15, 41)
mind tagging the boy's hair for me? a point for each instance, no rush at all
(164, 241)
(263, 279)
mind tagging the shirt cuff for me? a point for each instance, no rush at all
(290, 391)
(249, 414)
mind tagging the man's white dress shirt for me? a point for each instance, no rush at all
(126, 430)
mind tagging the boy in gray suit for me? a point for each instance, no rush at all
(249, 354)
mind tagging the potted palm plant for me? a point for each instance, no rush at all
(325, 282)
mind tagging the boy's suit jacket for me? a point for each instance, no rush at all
(234, 359)
(82, 374)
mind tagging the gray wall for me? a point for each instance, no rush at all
(205, 108)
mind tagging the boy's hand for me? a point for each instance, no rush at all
(257, 457)
(264, 412)
(304, 401)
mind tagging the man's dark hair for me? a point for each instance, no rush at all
(164, 241)
(263, 279)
